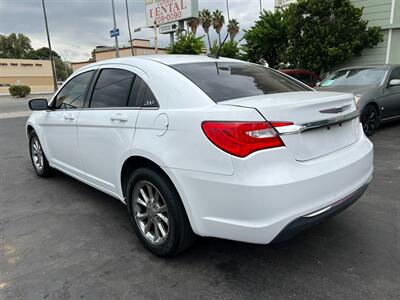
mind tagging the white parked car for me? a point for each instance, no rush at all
(202, 146)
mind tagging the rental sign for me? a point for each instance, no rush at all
(166, 11)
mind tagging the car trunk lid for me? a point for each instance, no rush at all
(324, 122)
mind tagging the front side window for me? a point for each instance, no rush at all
(357, 77)
(72, 95)
(112, 88)
(223, 81)
(395, 74)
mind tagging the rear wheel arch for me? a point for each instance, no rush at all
(135, 162)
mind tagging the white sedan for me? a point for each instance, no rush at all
(202, 146)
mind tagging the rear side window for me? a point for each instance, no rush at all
(223, 81)
(112, 88)
(141, 95)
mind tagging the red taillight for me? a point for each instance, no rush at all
(242, 138)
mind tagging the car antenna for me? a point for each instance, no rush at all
(219, 49)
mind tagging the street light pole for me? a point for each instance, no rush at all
(261, 9)
(50, 54)
(155, 38)
(227, 9)
(115, 27)
(129, 26)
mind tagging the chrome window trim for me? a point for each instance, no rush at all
(298, 128)
(106, 108)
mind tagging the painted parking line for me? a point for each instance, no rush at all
(15, 114)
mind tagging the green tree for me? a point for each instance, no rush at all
(229, 49)
(206, 22)
(233, 28)
(267, 40)
(187, 44)
(218, 22)
(325, 33)
(63, 70)
(194, 24)
(14, 45)
(41, 53)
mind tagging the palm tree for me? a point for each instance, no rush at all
(217, 22)
(233, 28)
(193, 24)
(206, 21)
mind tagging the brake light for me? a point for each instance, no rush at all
(242, 138)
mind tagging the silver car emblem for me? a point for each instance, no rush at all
(335, 110)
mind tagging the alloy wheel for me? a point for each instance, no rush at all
(150, 212)
(37, 154)
(369, 120)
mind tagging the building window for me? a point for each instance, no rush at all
(3, 64)
(13, 64)
(26, 65)
(38, 65)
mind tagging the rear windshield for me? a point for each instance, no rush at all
(223, 81)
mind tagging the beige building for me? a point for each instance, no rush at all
(35, 73)
(140, 47)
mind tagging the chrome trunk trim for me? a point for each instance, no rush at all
(298, 128)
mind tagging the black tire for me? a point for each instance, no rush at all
(179, 236)
(369, 119)
(45, 170)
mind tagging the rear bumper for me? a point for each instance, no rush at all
(269, 190)
(305, 222)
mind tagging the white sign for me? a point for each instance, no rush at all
(169, 28)
(167, 11)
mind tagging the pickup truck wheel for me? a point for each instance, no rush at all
(157, 213)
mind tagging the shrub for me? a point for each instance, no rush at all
(19, 90)
(187, 44)
(230, 49)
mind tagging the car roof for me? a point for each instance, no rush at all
(165, 59)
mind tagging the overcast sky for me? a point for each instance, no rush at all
(77, 26)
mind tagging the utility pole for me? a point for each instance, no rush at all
(227, 9)
(261, 9)
(50, 54)
(155, 36)
(115, 27)
(129, 26)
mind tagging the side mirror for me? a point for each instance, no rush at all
(38, 104)
(394, 82)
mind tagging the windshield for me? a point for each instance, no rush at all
(231, 80)
(360, 77)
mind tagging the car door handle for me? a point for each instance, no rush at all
(119, 117)
(69, 117)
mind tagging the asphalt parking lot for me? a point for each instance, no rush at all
(60, 239)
